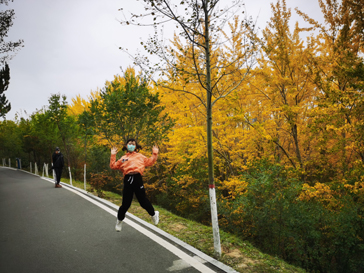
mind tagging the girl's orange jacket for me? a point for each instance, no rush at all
(132, 162)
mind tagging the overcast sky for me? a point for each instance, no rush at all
(72, 46)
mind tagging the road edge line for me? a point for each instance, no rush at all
(106, 206)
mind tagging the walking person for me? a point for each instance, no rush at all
(132, 165)
(58, 163)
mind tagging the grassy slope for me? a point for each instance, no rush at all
(236, 253)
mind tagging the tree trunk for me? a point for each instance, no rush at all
(85, 148)
(297, 148)
(212, 193)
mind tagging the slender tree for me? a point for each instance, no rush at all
(84, 120)
(201, 25)
(57, 113)
(282, 85)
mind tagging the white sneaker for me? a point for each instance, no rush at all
(118, 225)
(155, 218)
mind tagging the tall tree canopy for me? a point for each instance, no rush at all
(126, 109)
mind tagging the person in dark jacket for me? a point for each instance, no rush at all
(58, 163)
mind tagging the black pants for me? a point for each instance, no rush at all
(58, 172)
(134, 184)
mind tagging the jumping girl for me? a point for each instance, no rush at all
(132, 165)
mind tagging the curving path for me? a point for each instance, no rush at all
(44, 229)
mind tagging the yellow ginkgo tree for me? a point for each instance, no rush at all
(282, 90)
(338, 70)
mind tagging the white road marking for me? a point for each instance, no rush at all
(176, 251)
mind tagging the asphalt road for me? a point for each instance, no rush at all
(44, 229)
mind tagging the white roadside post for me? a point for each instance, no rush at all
(84, 177)
(46, 170)
(214, 219)
(9, 163)
(43, 170)
(35, 168)
(69, 170)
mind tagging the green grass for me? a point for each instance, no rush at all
(236, 253)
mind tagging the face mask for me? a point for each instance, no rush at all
(131, 148)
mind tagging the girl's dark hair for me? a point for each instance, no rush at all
(137, 146)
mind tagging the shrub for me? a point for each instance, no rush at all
(99, 180)
(310, 233)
